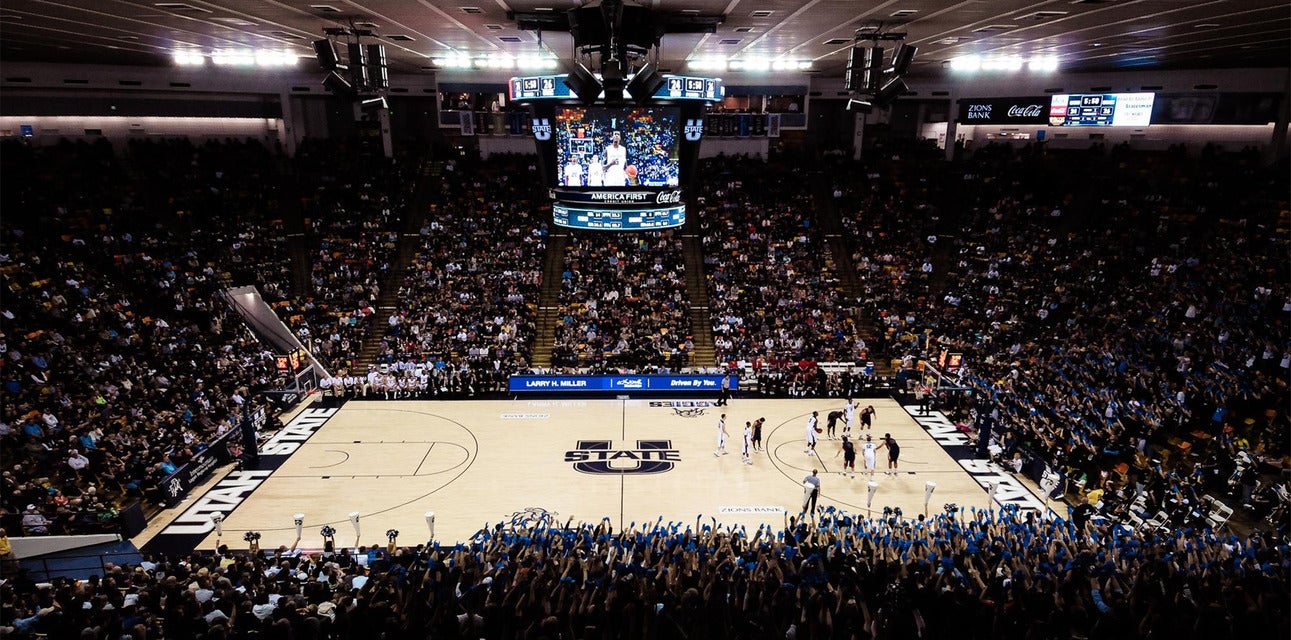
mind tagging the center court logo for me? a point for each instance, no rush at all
(533, 517)
(689, 413)
(597, 457)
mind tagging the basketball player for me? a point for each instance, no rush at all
(830, 422)
(849, 457)
(757, 434)
(867, 417)
(748, 443)
(812, 431)
(616, 160)
(721, 436)
(894, 452)
(595, 173)
(869, 449)
(849, 412)
(573, 174)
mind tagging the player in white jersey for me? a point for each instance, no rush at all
(721, 436)
(616, 161)
(849, 412)
(868, 450)
(812, 430)
(573, 174)
(748, 443)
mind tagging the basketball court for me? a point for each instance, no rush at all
(477, 463)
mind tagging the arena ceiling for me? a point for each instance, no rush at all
(1084, 35)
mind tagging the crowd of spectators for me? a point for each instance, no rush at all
(1122, 314)
(1119, 311)
(354, 205)
(228, 204)
(120, 362)
(889, 210)
(774, 295)
(466, 302)
(623, 302)
(958, 573)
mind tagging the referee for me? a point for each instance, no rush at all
(811, 491)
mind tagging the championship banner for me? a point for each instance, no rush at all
(467, 122)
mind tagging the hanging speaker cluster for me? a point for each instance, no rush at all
(645, 83)
(870, 82)
(616, 45)
(583, 83)
(364, 71)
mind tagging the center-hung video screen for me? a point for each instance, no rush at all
(599, 147)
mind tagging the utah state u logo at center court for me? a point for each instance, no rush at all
(650, 456)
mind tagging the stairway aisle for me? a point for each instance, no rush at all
(701, 322)
(293, 221)
(409, 239)
(943, 264)
(549, 299)
(831, 229)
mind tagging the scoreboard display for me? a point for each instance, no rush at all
(292, 363)
(690, 88)
(1101, 109)
(633, 219)
(540, 88)
(619, 165)
(553, 87)
(948, 361)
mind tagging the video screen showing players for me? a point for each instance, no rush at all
(617, 147)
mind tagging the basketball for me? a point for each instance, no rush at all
(631, 170)
(819, 430)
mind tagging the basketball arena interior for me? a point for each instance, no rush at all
(645, 319)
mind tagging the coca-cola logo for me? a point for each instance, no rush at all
(1028, 111)
(668, 197)
(1008, 111)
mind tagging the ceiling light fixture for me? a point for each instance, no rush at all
(453, 60)
(188, 58)
(1007, 63)
(233, 57)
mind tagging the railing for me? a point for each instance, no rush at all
(720, 125)
(78, 567)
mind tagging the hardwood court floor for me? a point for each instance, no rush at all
(478, 463)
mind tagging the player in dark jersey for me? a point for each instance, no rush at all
(832, 423)
(894, 452)
(849, 457)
